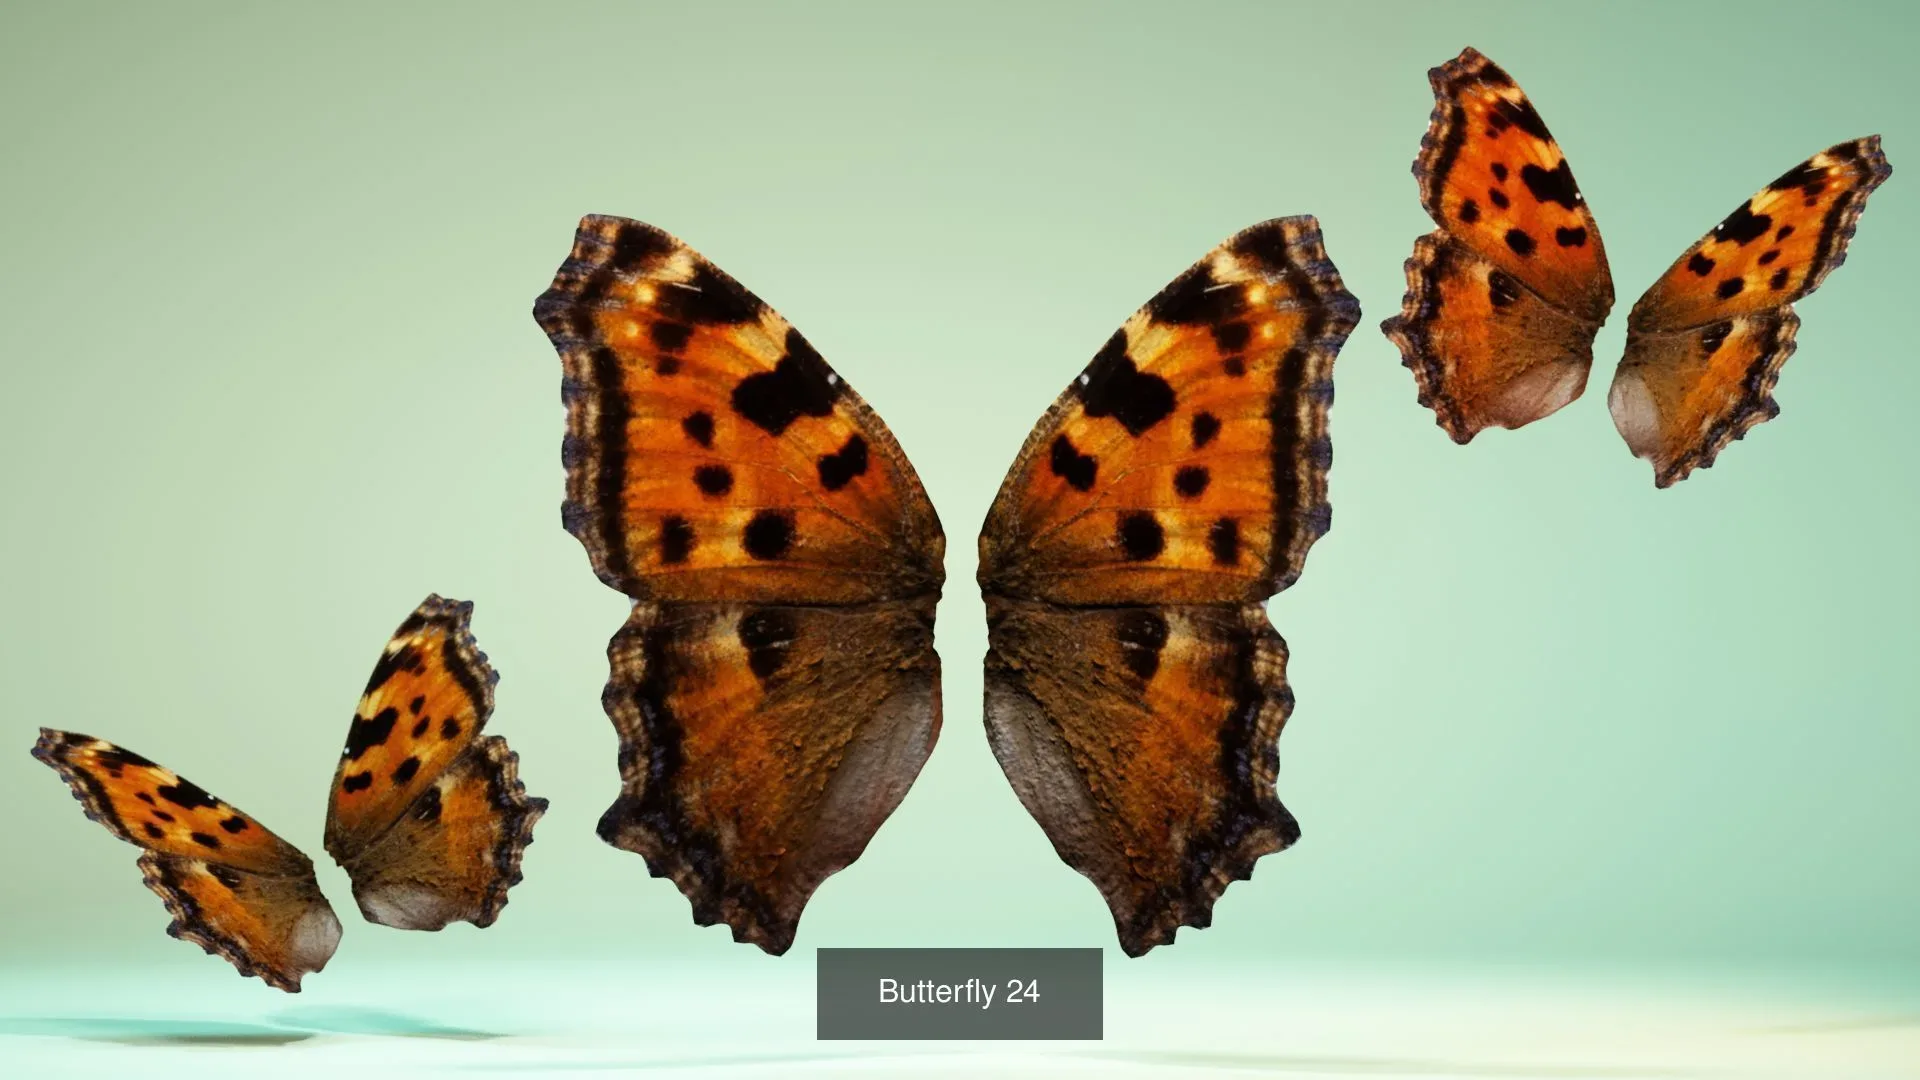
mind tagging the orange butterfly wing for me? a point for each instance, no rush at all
(232, 887)
(1134, 688)
(775, 689)
(429, 819)
(1504, 298)
(1706, 343)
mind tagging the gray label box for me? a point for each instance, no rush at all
(959, 994)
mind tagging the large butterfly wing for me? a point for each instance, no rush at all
(1706, 343)
(775, 690)
(1134, 689)
(232, 887)
(1504, 298)
(428, 818)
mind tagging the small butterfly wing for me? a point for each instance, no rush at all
(1515, 234)
(1706, 343)
(232, 886)
(413, 757)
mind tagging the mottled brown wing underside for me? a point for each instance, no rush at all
(232, 887)
(1134, 689)
(1504, 298)
(1705, 344)
(428, 818)
(775, 690)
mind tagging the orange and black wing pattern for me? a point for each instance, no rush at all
(1504, 298)
(1706, 343)
(1135, 691)
(775, 689)
(428, 817)
(232, 887)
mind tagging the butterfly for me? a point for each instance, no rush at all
(774, 689)
(1504, 298)
(1135, 690)
(428, 817)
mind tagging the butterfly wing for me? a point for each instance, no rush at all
(1504, 298)
(1706, 343)
(232, 887)
(1134, 687)
(775, 690)
(428, 818)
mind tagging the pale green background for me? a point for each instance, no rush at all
(270, 377)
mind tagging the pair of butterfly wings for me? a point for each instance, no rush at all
(1505, 297)
(775, 688)
(427, 815)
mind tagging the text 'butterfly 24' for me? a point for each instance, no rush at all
(775, 688)
(1504, 298)
(426, 843)
(1135, 690)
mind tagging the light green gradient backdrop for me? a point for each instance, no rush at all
(270, 377)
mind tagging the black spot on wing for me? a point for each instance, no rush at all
(713, 480)
(235, 824)
(1499, 172)
(1142, 634)
(767, 634)
(419, 702)
(1784, 232)
(1730, 288)
(1498, 198)
(1519, 114)
(699, 427)
(1141, 536)
(1555, 186)
(1231, 337)
(187, 795)
(1191, 481)
(359, 781)
(406, 770)
(420, 726)
(1195, 298)
(1502, 290)
(708, 298)
(449, 728)
(1743, 226)
(1469, 211)
(406, 658)
(1205, 427)
(426, 808)
(768, 534)
(1779, 279)
(1520, 242)
(636, 247)
(800, 384)
(1069, 464)
(676, 539)
(841, 467)
(1115, 387)
(1574, 237)
(670, 337)
(369, 732)
(205, 840)
(1223, 541)
(1767, 257)
(154, 831)
(1700, 264)
(1713, 337)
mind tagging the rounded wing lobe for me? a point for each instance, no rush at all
(1147, 751)
(711, 452)
(1515, 236)
(429, 819)
(233, 887)
(1706, 343)
(1188, 462)
(762, 746)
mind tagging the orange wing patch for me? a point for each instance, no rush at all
(775, 690)
(1134, 689)
(232, 886)
(1706, 343)
(1188, 462)
(1504, 299)
(710, 450)
(406, 761)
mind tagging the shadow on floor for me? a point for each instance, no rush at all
(148, 1032)
(1362, 1066)
(347, 1020)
